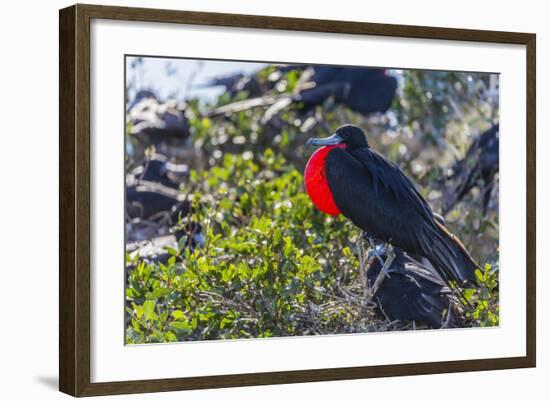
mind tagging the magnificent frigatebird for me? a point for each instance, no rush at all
(478, 168)
(155, 120)
(154, 250)
(187, 235)
(364, 90)
(158, 169)
(149, 201)
(411, 291)
(347, 176)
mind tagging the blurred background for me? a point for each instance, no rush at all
(221, 239)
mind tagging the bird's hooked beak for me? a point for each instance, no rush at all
(334, 139)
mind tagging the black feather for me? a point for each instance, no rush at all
(413, 292)
(378, 198)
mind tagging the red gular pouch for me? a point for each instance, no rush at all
(316, 181)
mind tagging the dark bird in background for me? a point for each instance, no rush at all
(158, 169)
(227, 81)
(477, 169)
(412, 291)
(347, 176)
(162, 124)
(364, 90)
(155, 202)
(154, 120)
(186, 235)
(140, 95)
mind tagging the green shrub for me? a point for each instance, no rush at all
(272, 265)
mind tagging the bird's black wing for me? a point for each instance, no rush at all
(391, 176)
(376, 195)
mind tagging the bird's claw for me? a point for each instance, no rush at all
(385, 265)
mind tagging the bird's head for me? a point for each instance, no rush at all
(350, 135)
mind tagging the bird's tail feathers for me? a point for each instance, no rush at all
(450, 255)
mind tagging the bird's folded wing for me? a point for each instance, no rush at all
(378, 198)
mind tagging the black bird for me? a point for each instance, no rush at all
(364, 90)
(153, 120)
(412, 291)
(159, 169)
(140, 95)
(187, 235)
(227, 81)
(347, 176)
(162, 124)
(150, 202)
(478, 168)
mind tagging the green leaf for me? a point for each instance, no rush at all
(171, 251)
(158, 293)
(180, 326)
(479, 276)
(149, 311)
(170, 337)
(468, 293)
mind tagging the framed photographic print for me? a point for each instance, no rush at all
(250, 200)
